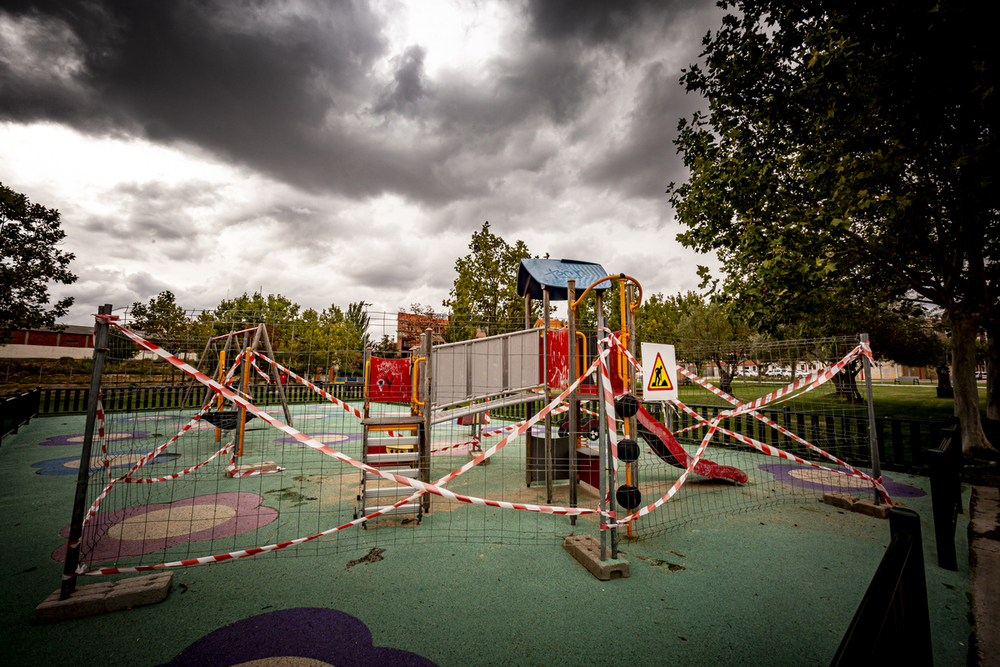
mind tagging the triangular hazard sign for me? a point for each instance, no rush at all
(659, 378)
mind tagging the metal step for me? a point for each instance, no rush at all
(411, 508)
(391, 422)
(388, 491)
(403, 457)
(402, 472)
(405, 441)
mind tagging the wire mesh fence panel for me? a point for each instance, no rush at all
(823, 414)
(237, 433)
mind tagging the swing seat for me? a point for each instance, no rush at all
(226, 420)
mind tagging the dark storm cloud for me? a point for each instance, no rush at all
(293, 90)
(272, 90)
(597, 22)
(645, 161)
(145, 285)
(408, 86)
(283, 92)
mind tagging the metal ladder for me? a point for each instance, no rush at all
(399, 455)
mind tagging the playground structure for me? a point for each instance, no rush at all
(415, 454)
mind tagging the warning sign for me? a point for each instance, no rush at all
(659, 372)
(660, 379)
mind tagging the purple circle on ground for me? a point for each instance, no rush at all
(325, 635)
(126, 458)
(807, 477)
(77, 438)
(241, 512)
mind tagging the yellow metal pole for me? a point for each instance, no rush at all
(219, 400)
(247, 356)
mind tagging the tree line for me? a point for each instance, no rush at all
(306, 340)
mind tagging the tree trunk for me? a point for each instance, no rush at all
(993, 374)
(847, 384)
(963, 348)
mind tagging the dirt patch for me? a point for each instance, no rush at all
(658, 562)
(373, 556)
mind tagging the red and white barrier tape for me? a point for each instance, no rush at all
(420, 486)
(811, 382)
(167, 478)
(320, 447)
(780, 453)
(92, 511)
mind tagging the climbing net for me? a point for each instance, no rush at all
(261, 454)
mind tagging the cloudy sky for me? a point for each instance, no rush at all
(335, 151)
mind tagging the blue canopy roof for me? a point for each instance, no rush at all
(535, 275)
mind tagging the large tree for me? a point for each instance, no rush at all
(30, 259)
(484, 294)
(851, 143)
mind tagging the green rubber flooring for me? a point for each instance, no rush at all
(775, 586)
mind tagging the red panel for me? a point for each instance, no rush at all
(389, 381)
(558, 359)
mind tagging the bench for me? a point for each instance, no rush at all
(907, 379)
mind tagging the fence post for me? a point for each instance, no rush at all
(945, 463)
(80, 500)
(913, 582)
(873, 440)
(893, 620)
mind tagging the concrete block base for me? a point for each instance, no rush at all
(266, 466)
(869, 508)
(846, 501)
(841, 499)
(104, 597)
(587, 550)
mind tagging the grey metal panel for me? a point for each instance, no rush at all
(524, 353)
(485, 367)
(450, 378)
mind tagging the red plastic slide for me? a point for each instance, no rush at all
(667, 448)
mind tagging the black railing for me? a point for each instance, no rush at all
(902, 443)
(892, 624)
(62, 400)
(17, 410)
(945, 463)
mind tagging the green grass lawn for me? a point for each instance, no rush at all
(890, 400)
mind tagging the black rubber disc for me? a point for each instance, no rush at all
(628, 450)
(628, 496)
(626, 406)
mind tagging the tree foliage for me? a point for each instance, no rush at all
(161, 319)
(707, 332)
(30, 260)
(848, 148)
(484, 293)
(658, 317)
